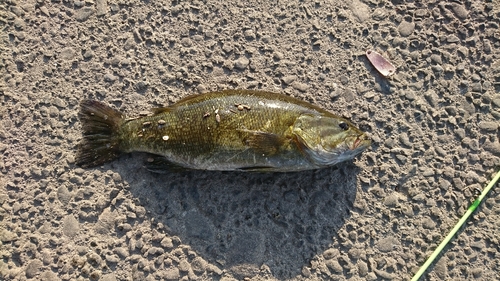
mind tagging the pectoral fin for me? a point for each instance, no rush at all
(263, 142)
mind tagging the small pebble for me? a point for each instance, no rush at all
(84, 13)
(356, 253)
(64, 195)
(477, 272)
(441, 268)
(428, 172)
(428, 223)
(50, 276)
(249, 34)
(360, 10)
(110, 77)
(167, 243)
(334, 266)
(406, 28)
(387, 244)
(201, 89)
(489, 125)
(44, 11)
(362, 268)
(105, 222)
(421, 13)
(384, 274)
(289, 79)
(184, 266)
(306, 272)
(404, 139)
(88, 54)
(70, 226)
(67, 53)
(278, 55)
(331, 253)
(33, 268)
(101, 7)
(437, 68)
(7, 236)
(112, 258)
(227, 47)
(241, 63)
(493, 147)
(459, 11)
(300, 86)
(477, 244)
(171, 274)
(18, 11)
(379, 14)
(186, 42)
(436, 59)
(391, 200)
(122, 252)
(199, 265)
(452, 39)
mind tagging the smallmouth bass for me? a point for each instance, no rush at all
(229, 130)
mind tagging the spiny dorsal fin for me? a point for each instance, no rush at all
(158, 110)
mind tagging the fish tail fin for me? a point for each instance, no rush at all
(101, 141)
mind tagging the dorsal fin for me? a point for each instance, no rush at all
(182, 101)
(158, 110)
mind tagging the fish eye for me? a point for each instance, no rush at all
(344, 126)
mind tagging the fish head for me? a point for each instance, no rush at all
(328, 140)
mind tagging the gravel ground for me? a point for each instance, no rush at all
(435, 126)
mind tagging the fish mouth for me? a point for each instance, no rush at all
(361, 141)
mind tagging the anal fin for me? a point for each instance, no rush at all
(161, 165)
(258, 169)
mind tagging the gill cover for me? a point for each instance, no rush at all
(328, 140)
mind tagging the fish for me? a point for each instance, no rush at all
(230, 130)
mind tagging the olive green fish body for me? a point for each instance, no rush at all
(228, 130)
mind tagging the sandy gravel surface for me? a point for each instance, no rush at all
(435, 126)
